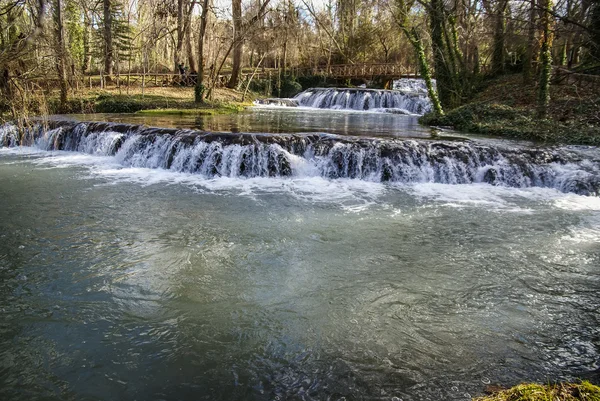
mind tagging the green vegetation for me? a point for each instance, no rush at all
(156, 101)
(584, 391)
(507, 108)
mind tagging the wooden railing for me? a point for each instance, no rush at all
(341, 71)
(156, 79)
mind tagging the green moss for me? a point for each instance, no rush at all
(584, 391)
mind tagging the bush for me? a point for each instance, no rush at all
(289, 88)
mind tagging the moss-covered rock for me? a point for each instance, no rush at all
(584, 391)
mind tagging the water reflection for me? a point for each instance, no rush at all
(282, 120)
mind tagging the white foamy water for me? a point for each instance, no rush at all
(352, 194)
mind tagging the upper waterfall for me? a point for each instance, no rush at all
(365, 99)
(409, 96)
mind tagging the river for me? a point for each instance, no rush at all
(125, 278)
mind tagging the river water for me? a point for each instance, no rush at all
(119, 281)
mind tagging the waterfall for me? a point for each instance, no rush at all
(412, 85)
(409, 102)
(331, 156)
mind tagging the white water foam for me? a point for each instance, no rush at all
(353, 195)
(501, 198)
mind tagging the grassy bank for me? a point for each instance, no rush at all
(155, 101)
(506, 108)
(584, 391)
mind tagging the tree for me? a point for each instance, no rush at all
(240, 29)
(545, 59)
(107, 25)
(200, 88)
(61, 53)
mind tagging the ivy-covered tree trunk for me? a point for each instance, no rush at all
(443, 75)
(403, 7)
(545, 60)
(60, 50)
(425, 71)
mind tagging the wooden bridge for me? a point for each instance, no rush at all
(337, 71)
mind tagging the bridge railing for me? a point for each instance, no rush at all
(341, 71)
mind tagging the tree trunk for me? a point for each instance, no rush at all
(189, 49)
(236, 9)
(529, 55)
(545, 60)
(425, 71)
(498, 59)
(60, 50)
(594, 31)
(200, 88)
(87, 38)
(180, 34)
(108, 44)
(442, 73)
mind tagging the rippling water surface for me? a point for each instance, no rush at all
(131, 283)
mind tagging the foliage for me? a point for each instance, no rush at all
(75, 32)
(287, 86)
(122, 34)
(584, 391)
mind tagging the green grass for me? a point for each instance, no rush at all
(584, 391)
(151, 104)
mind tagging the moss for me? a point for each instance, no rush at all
(584, 391)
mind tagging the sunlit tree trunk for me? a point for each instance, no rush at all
(189, 48)
(108, 40)
(545, 60)
(236, 9)
(180, 34)
(200, 88)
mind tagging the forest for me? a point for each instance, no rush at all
(57, 46)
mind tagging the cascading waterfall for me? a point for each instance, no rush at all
(411, 85)
(365, 99)
(330, 156)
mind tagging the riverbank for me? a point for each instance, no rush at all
(153, 100)
(584, 391)
(506, 108)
